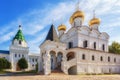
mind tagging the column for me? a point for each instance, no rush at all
(47, 69)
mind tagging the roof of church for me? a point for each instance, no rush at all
(19, 35)
(4, 52)
(52, 34)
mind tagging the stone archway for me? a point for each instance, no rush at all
(59, 60)
(72, 70)
(53, 60)
(70, 56)
(17, 67)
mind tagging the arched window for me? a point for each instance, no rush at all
(94, 45)
(108, 59)
(70, 44)
(103, 47)
(85, 43)
(114, 59)
(93, 58)
(83, 56)
(19, 55)
(15, 55)
(32, 60)
(101, 58)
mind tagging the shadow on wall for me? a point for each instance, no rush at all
(72, 70)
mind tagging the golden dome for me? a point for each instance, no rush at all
(76, 14)
(94, 21)
(62, 27)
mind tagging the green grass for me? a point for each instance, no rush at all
(2, 72)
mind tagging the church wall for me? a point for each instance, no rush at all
(96, 66)
(33, 60)
(6, 56)
(99, 42)
(16, 53)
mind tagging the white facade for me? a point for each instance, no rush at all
(84, 50)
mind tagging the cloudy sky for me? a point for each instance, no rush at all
(36, 16)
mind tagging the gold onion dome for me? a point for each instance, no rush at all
(76, 14)
(62, 27)
(94, 21)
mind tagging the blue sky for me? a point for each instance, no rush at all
(36, 16)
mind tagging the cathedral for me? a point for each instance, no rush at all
(83, 49)
(17, 50)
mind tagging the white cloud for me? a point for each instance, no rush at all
(36, 21)
(6, 37)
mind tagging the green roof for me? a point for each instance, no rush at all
(19, 36)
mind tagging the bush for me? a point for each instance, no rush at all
(22, 63)
(4, 64)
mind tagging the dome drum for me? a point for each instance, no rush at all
(62, 27)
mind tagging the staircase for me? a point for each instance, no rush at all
(71, 63)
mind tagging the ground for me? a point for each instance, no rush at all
(59, 76)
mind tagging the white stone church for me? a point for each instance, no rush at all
(80, 50)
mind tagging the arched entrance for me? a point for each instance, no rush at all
(70, 56)
(53, 60)
(72, 70)
(59, 60)
(17, 67)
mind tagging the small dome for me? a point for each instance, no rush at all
(62, 27)
(94, 21)
(76, 14)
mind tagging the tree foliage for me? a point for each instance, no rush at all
(22, 63)
(4, 64)
(114, 47)
(36, 67)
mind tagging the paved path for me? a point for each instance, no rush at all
(62, 77)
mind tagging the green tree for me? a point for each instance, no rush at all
(114, 47)
(22, 63)
(4, 64)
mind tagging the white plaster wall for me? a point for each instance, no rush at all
(6, 56)
(96, 66)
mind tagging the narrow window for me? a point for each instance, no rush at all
(95, 45)
(15, 55)
(101, 58)
(103, 47)
(19, 55)
(33, 60)
(108, 59)
(93, 58)
(36, 60)
(114, 59)
(70, 45)
(85, 43)
(83, 56)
